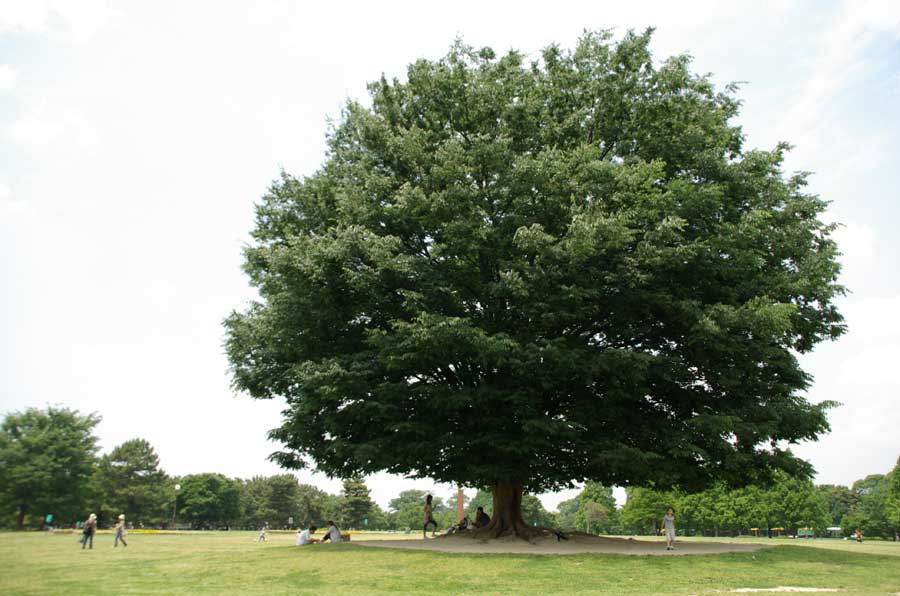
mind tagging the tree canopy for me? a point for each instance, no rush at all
(356, 504)
(46, 461)
(129, 479)
(209, 500)
(525, 274)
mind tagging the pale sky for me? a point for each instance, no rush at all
(135, 139)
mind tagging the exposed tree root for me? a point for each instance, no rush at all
(507, 516)
(523, 531)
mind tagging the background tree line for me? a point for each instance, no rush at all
(49, 464)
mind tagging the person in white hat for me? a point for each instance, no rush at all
(120, 531)
(88, 530)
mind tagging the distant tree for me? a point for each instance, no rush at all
(533, 512)
(209, 500)
(482, 498)
(800, 504)
(644, 509)
(596, 515)
(312, 504)
(758, 508)
(566, 516)
(356, 504)
(255, 503)
(47, 458)
(444, 511)
(408, 516)
(872, 515)
(518, 274)
(284, 494)
(332, 508)
(407, 511)
(378, 519)
(839, 500)
(603, 515)
(129, 480)
(409, 497)
(894, 497)
(696, 511)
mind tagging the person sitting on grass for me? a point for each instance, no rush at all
(332, 534)
(482, 519)
(305, 537)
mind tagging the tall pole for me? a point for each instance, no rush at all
(460, 507)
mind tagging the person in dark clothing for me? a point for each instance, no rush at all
(88, 531)
(482, 519)
(428, 510)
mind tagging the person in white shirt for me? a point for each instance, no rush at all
(332, 533)
(305, 537)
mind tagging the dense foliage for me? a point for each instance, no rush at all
(46, 461)
(535, 273)
(130, 480)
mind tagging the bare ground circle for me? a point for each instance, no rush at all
(575, 545)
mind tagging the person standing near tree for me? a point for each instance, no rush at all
(669, 525)
(120, 531)
(88, 530)
(428, 510)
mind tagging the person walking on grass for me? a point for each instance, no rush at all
(120, 531)
(88, 530)
(262, 533)
(428, 510)
(669, 526)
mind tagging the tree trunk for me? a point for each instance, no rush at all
(20, 519)
(507, 516)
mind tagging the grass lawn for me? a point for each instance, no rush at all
(231, 563)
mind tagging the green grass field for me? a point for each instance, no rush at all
(231, 563)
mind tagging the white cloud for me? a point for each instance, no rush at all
(9, 205)
(71, 22)
(8, 77)
(55, 129)
(839, 58)
(147, 135)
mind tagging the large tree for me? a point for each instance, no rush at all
(894, 497)
(839, 500)
(313, 506)
(597, 508)
(129, 480)
(46, 461)
(356, 504)
(209, 500)
(873, 514)
(525, 274)
(274, 500)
